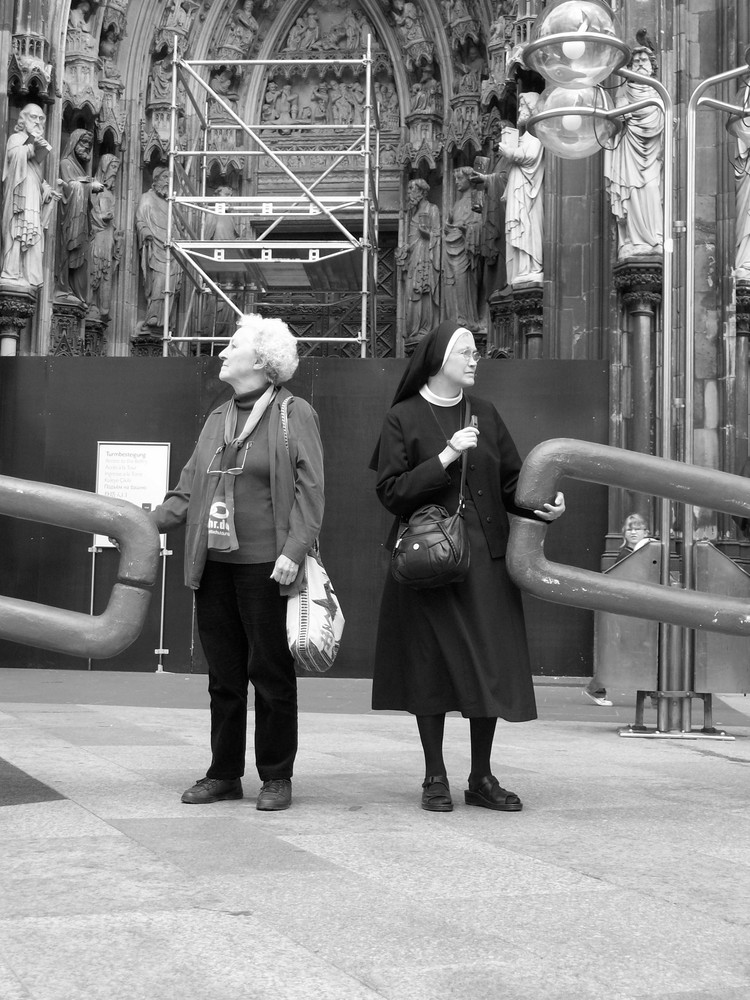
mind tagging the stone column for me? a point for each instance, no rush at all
(742, 361)
(527, 306)
(16, 309)
(639, 282)
(503, 341)
(68, 337)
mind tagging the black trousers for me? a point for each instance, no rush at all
(242, 626)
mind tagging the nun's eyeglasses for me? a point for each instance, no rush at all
(468, 355)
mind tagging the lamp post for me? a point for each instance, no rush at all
(574, 46)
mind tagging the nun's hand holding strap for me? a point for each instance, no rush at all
(460, 442)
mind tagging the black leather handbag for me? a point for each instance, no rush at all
(432, 546)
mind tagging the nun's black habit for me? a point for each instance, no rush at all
(462, 647)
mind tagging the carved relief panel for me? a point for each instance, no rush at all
(329, 95)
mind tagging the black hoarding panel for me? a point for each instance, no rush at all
(54, 411)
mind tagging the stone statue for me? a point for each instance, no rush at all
(492, 237)
(108, 45)
(160, 82)
(295, 36)
(223, 84)
(419, 257)
(219, 319)
(342, 107)
(309, 39)
(245, 27)
(28, 200)
(524, 210)
(426, 94)
(106, 240)
(462, 232)
(79, 37)
(320, 103)
(633, 169)
(742, 192)
(151, 226)
(78, 186)
(417, 48)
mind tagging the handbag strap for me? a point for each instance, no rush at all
(315, 550)
(464, 459)
(285, 423)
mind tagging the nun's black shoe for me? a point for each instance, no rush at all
(436, 794)
(488, 792)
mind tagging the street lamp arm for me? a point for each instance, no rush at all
(730, 109)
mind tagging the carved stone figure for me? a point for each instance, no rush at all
(246, 27)
(108, 45)
(78, 186)
(501, 26)
(409, 25)
(223, 84)
(240, 34)
(387, 99)
(151, 226)
(160, 82)
(633, 169)
(28, 200)
(311, 36)
(296, 34)
(461, 248)
(426, 94)
(492, 237)
(352, 30)
(524, 212)
(742, 193)
(420, 259)
(358, 98)
(320, 102)
(219, 319)
(342, 108)
(471, 71)
(79, 38)
(106, 240)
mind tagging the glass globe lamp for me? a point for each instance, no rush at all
(575, 43)
(573, 123)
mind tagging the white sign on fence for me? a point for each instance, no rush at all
(132, 470)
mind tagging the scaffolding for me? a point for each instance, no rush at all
(348, 249)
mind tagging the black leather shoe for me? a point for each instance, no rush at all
(275, 794)
(487, 792)
(213, 790)
(436, 794)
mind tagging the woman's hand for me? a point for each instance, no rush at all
(467, 437)
(461, 441)
(554, 510)
(285, 571)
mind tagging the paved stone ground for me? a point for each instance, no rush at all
(626, 876)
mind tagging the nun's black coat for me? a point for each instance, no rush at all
(462, 647)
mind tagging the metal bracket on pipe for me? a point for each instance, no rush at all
(539, 480)
(90, 636)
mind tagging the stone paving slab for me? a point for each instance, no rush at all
(626, 876)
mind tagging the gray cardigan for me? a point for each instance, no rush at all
(297, 500)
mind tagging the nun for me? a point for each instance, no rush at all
(460, 647)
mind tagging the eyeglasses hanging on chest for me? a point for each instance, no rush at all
(235, 470)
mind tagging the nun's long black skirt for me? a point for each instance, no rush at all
(460, 648)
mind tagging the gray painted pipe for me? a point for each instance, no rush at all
(90, 636)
